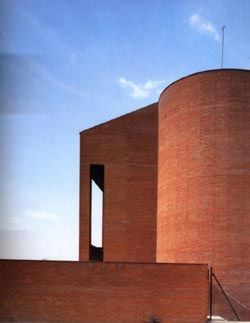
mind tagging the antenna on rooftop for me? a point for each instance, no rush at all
(222, 45)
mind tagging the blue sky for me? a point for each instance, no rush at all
(69, 65)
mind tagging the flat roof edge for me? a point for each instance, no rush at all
(103, 262)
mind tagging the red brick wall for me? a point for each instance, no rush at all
(204, 175)
(127, 146)
(37, 291)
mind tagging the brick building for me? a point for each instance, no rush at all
(175, 178)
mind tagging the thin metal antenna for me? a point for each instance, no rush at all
(222, 45)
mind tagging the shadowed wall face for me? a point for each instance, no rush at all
(35, 291)
(127, 148)
(204, 175)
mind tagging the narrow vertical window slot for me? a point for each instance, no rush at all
(96, 212)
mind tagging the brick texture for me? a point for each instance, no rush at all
(177, 190)
(204, 176)
(127, 147)
(35, 291)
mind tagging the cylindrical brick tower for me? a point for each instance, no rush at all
(204, 175)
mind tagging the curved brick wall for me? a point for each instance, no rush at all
(204, 175)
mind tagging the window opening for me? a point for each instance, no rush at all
(96, 212)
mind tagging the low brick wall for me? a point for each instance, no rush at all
(50, 291)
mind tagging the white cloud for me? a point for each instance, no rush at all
(44, 31)
(73, 58)
(204, 26)
(141, 91)
(14, 223)
(41, 215)
(42, 73)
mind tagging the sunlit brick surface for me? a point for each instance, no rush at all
(204, 175)
(127, 147)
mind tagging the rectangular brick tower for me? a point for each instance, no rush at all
(121, 157)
